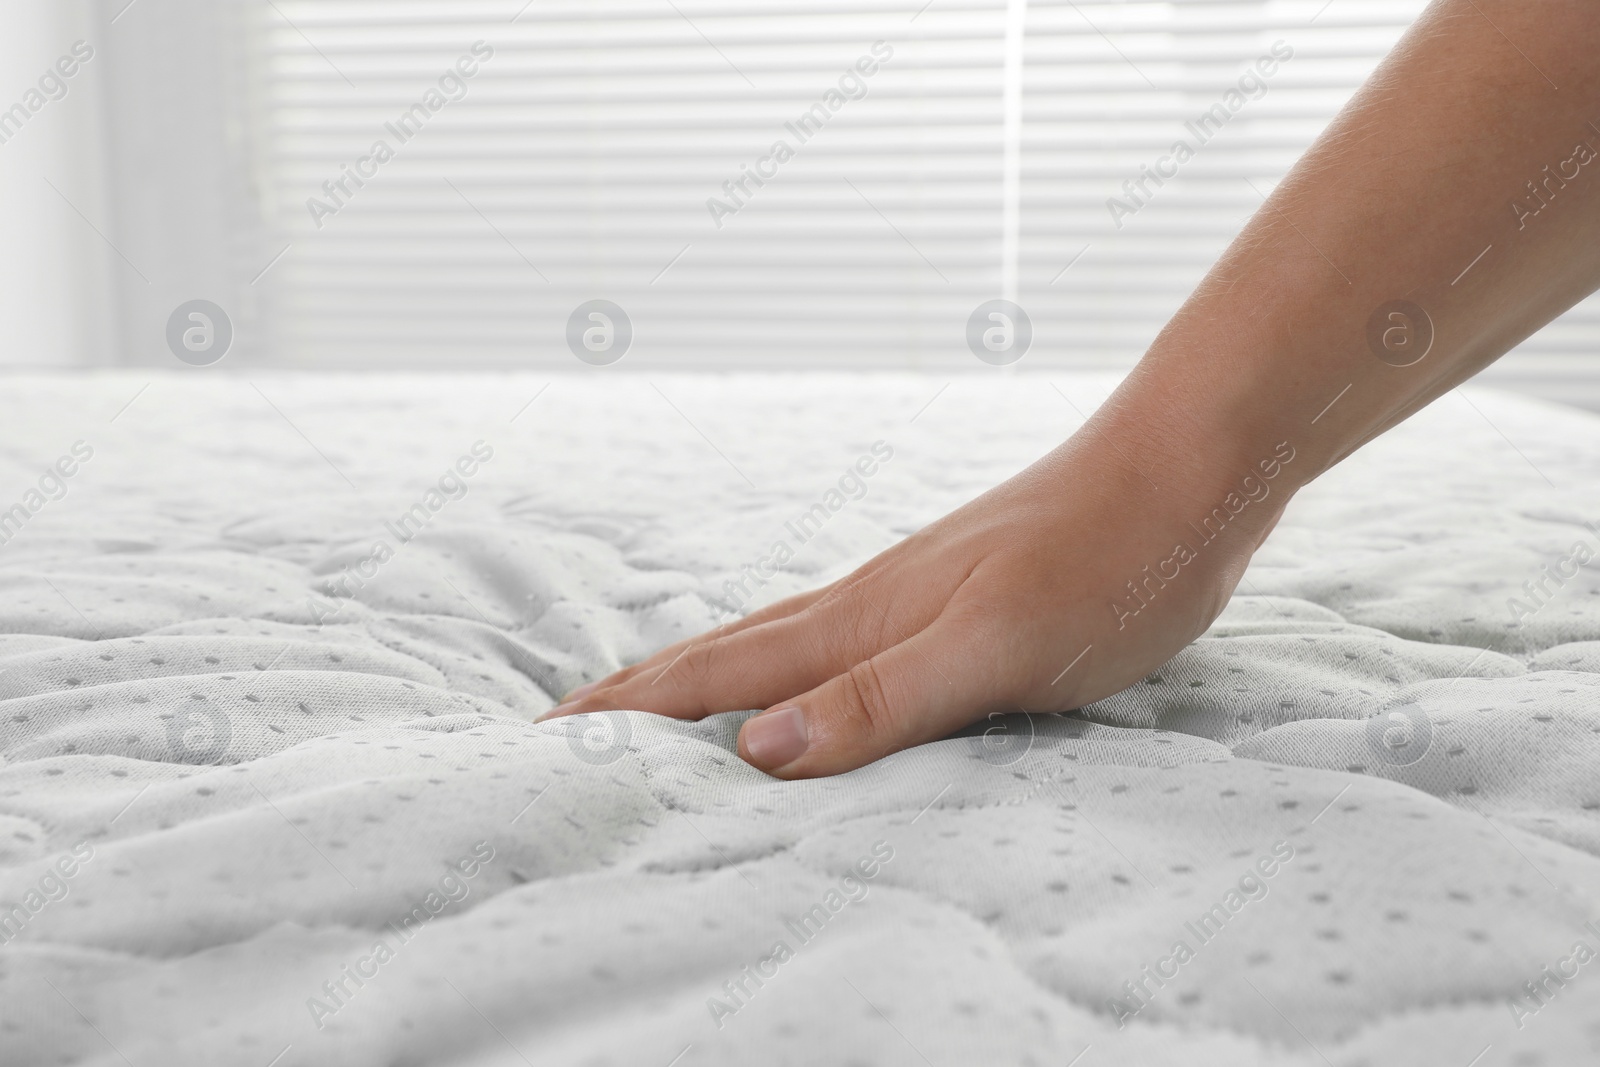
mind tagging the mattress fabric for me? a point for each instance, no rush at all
(271, 793)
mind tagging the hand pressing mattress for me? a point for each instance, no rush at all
(271, 793)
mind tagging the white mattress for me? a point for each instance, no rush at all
(262, 800)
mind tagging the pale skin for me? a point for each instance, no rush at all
(1011, 602)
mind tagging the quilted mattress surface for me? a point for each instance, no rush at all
(271, 793)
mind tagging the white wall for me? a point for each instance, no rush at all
(55, 291)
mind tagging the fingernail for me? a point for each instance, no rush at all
(776, 738)
(580, 692)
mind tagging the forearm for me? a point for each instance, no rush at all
(1440, 160)
(1088, 570)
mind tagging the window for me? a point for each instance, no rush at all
(768, 183)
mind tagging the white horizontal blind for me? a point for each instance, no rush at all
(580, 160)
(1112, 89)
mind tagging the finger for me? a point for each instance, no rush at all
(753, 668)
(780, 609)
(757, 667)
(919, 690)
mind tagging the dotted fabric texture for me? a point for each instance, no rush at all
(266, 788)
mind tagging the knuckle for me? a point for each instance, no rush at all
(824, 629)
(700, 662)
(867, 700)
(846, 592)
(691, 674)
(629, 677)
(852, 628)
(869, 627)
(622, 677)
(609, 698)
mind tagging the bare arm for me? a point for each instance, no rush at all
(1452, 209)
(1475, 137)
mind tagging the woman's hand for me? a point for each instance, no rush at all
(1077, 577)
(1061, 586)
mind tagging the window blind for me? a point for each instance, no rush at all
(771, 183)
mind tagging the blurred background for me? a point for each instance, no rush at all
(540, 154)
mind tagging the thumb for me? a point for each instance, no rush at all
(916, 691)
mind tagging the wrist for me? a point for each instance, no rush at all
(1205, 443)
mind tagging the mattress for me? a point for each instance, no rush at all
(272, 793)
